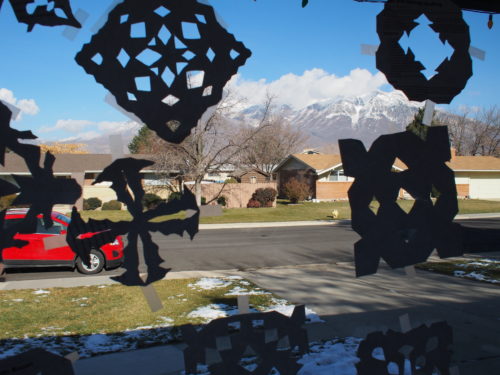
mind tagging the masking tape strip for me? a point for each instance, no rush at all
(54, 242)
(410, 271)
(102, 20)
(151, 296)
(369, 49)
(15, 110)
(116, 146)
(71, 32)
(243, 304)
(73, 357)
(477, 53)
(404, 322)
(111, 100)
(428, 112)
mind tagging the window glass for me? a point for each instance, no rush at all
(10, 222)
(54, 229)
(63, 218)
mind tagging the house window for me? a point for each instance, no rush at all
(337, 176)
(253, 180)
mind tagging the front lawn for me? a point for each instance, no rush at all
(109, 318)
(306, 211)
(479, 269)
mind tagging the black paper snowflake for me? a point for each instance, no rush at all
(426, 348)
(401, 238)
(124, 174)
(164, 61)
(402, 70)
(44, 12)
(271, 336)
(42, 190)
(36, 362)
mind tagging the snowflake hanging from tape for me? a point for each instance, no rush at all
(275, 339)
(401, 238)
(44, 12)
(41, 191)
(427, 349)
(164, 61)
(402, 70)
(36, 362)
(124, 174)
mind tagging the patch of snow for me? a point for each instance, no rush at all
(41, 291)
(477, 276)
(208, 283)
(283, 308)
(459, 273)
(213, 311)
(331, 358)
(239, 291)
(17, 300)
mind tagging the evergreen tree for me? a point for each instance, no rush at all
(139, 142)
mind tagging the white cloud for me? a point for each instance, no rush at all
(83, 137)
(114, 127)
(69, 125)
(27, 106)
(310, 87)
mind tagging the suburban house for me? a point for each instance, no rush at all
(252, 176)
(84, 168)
(477, 177)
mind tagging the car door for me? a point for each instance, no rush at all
(32, 251)
(54, 247)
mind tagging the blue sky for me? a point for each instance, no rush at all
(315, 49)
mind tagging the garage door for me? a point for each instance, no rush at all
(485, 188)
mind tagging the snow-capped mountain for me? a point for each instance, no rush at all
(362, 117)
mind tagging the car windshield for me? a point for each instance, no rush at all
(63, 218)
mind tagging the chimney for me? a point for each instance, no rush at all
(453, 152)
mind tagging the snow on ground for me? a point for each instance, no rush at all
(213, 311)
(208, 283)
(239, 291)
(41, 291)
(282, 306)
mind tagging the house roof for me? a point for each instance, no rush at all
(321, 163)
(474, 163)
(242, 172)
(65, 163)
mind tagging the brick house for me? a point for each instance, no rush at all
(477, 177)
(252, 176)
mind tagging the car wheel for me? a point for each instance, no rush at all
(96, 263)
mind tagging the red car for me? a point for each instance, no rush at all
(35, 253)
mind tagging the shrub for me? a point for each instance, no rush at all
(252, 203)
(6, 201)
(91, 204)
(265, 196)
(296, 190)
(222, 200)
(151, 200)
(231, 180)
(112, 206)
(174, 195)
(203, 201)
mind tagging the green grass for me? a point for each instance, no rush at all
(306, 211)
(488, 270)
(110, 309)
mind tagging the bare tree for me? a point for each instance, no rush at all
(474, 132)
(211, 146)
(276, 139)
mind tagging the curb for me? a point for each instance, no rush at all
(82, 281)
(273, 224)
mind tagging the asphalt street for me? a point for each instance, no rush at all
(247, 249)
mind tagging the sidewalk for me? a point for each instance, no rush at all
(320, 222)
(354, 307)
